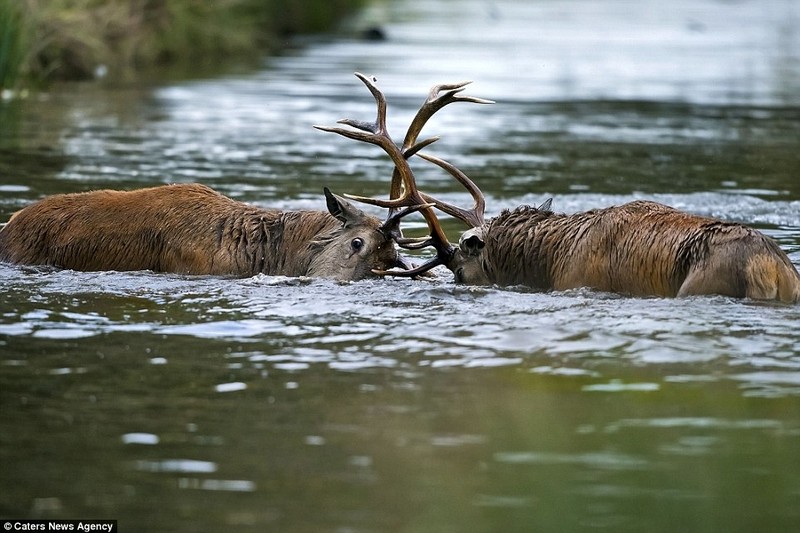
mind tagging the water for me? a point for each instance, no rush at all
(176, 403)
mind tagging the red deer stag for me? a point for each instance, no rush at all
(193, 229)
(641, 248)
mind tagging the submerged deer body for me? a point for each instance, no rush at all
(192, 229)
(641, 248)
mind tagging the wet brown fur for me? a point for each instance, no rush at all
(191, 229)
(640, 248)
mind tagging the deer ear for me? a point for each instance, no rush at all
(342, 210)
(471, 241)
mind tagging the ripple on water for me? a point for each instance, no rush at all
(186, 466)
(140, 438)
(597, 460)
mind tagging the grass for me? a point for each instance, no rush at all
(13, 44)
(43, 40)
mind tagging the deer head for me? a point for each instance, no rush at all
(357, 248)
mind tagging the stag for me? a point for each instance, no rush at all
(192, 229)
(641, 248)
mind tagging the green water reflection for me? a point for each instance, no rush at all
(147, 429)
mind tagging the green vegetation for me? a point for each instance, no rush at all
(13, 46)
(42, 40)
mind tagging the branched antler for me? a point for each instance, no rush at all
(438, 97)
(410, 199)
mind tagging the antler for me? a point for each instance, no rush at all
(410, 198)
(438, 97)
(471, 217)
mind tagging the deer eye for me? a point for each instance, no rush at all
(357, 244)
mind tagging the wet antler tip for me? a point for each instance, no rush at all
(420, 270)
(369, 80)
(476, 100)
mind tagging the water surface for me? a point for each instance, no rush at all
(178, 403)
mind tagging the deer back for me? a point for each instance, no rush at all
(640, 248)
(190, 228)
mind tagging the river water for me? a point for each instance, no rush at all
(175, 403)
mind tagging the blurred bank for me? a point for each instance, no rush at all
(46, 40)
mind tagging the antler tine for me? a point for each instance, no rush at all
(377, 133)
(372, 131)
(413, 272)
(471, 217)
(392, 222)
(438, 97)
(415, 243)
